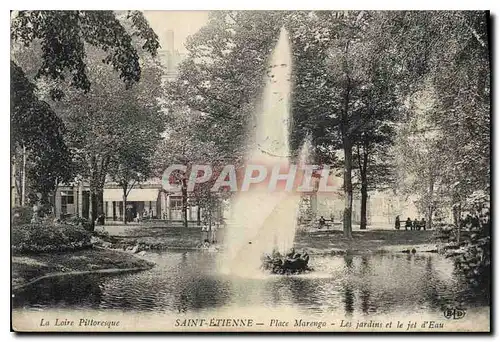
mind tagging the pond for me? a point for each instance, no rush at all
(187, 281)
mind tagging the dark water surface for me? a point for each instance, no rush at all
(189, 282)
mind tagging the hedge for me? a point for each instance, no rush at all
(40, 237)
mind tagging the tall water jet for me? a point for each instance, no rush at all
(264, 220)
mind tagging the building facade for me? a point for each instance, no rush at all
(147, 197)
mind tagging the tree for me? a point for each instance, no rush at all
(454, 68)
(223, 74)
(63, 34)
(132, 164)
(108, 124)
(185, 144)
(340, 94)
(420, 161)
(62, 40)
(37, 131)
(217, 93)
(376, 113)
(108, 119)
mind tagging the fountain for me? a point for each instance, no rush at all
(264, 221)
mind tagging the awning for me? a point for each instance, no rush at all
(135, 195)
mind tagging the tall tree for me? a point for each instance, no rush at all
(62, 36)
(455, 69)
(338, 98)
(132, 163)
(223, 74)
(60, 39)
(220, 84)
(39, 133)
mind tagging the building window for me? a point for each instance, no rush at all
(176, 203)
(67, 201)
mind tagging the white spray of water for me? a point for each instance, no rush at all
(262, 220)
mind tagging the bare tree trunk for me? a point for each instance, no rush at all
(93, 208)
(364, 188)
(55, 198)
(347, 188)
(364, 200)
(23, 184)
(184, 202)
(430, 204)
(100, 204)
(13, 190)
(459, 226)
(347, 144)
(92, 192)
(125, 205)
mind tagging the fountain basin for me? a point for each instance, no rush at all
(292, 263)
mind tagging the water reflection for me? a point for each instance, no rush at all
(188, 281)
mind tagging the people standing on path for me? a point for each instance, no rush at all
(213, 232)
(397, 224)
(204, 231)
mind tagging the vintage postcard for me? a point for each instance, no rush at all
(250, 171)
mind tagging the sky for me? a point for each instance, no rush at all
(183, 23)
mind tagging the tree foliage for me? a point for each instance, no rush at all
(38, 132)
(117, 112)
(63, 35)
(451, 139)
(223, 75)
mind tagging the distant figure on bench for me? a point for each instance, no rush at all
(322, 222)
(408, 224)
(416, 224)
(423, 223)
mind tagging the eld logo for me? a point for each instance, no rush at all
(454, 313)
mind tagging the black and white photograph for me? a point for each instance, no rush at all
(250, 171)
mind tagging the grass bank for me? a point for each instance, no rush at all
(369, 241)
(28, 268)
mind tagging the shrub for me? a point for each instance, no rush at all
(21, 215)
(38, 237)
(78, 221)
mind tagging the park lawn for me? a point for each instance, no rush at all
(157, 236)
(165, 237)
(28, 267)
(368, 241)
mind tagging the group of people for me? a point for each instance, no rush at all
(411, 225)
(139, 216)
(209, 231)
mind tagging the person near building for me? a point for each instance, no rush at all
(204, 231)
(213, 231)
